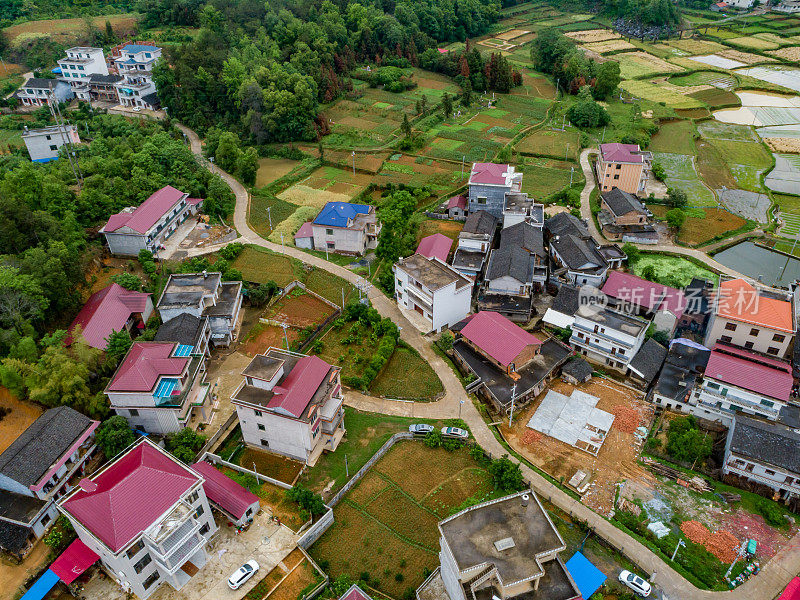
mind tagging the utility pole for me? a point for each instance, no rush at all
(52, 104)
(460, 402)
(566, 152)
(513, 396)
(346, 467)
(604, 135)
(354, 163)
(269, 215)
(463, 158)
(342, 298)
(571, 173)
(285, 337)
(680, 543)
(281, 241)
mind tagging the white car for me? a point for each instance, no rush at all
(636, 583)
(455, 432)
(242, 574)
(137, 109)
(420, 429)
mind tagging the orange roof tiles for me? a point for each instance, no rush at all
(740, 301)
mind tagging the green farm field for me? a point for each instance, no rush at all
(675, 137)
(681, 174)
(670, 270)
(406, 366)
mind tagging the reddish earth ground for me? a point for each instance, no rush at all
(263, 337)
(301, 311)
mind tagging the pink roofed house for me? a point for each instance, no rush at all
(457, 207)
(148, 225)
(146, 516)
(234, 501)
(646, 298)
(488, 185)
(158, 384)
(111, 309)
(500, 340)
(290, 404)
(436, 245)
(624, 166)
(304, 238)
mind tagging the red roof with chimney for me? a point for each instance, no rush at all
(488, 174)
(640, 292)
(224, 491)
(144, 363)
(106, 311)
(298, 388)
(435, 246)
(766, 376)
(498, 337)
(620, 153)
(457, 202)
(130, 495)
(147, 213)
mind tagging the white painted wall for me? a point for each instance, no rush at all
(283, 435)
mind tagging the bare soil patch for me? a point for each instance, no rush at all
(784, 145)
(69, 29)
(20, 416)
(593, 35)
(511, 34)
(744, 57)
(270, 169)
(263, 337)
(300, 310)
(298, 580)
(791, 53)
(272, 465)
(609, 46)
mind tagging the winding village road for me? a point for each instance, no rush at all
(767, 585)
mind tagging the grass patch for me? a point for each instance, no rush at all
(704, 78)
(264, 207)
(561, 145)
(703, 225)
(712, 166)
(656, 93)
(669, 270)
(405, 372)
(716, 98)
(676, 137)
(743, 153)
(788, 203)
(543, 177)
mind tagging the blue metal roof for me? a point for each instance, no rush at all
(57, 70)
(140, 48)
(338, 214)
(587, 577)
(183, 350)
(165, 388)
(43, 585)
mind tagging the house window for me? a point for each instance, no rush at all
(249, 512)
(133, 412)
(481, 200)
(789, 480)
(204, 529)
(329, 232)
(53, 147)
(331, 246)
(769, 472)
(748, 345)
(754, 332)
(258, 413)
(264, 443)
(150, 580)
(616, 176)
(261, 427)
(730, 326)
(778, 338)
(199, 512)
(193, 497)
(619, 167)
(143, 562)
(772, 351)
(725, 338)
(134, 550)
(45, 520)
(47, 137)
(767, 403)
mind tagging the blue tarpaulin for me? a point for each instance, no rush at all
(43, 585)
(587, 577)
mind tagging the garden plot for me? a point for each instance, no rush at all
(326, 184)
(682, 174)
(784, 145)
(659, 93)
(18, 417)
(544, 177)
(418, 171)
(748, 205)
(716, 97)
(670, 270)
(718, 80)
(785, 177)
(535, 85)
(271, 169)
(704, 224)
(593, 35)
(676, 137)
(553, 144)
(788, 78)
(635, 65)
(753, 43)
(604, 47)
(746, 57)
(693, 46)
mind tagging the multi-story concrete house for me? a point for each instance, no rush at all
(291, 404)
(135, 65)
(518, 208)
(79, 64)
(764, 453)
(38, 92)
(158, 385)
(683, 368)
(787, 7)
(624, 217)
(752, 318)
(429, 286)
(204, 295)
(44, 144)
(624, 166)
(505, 548)
(488, 185)
(111, 309)
(187, 330)
(346, 228)
(38, 468)
(607, 336)
(663, 304)
(146, 516)
(103, 87)
(738, 381)
(148, 225)
(576, 255)
(474, 242)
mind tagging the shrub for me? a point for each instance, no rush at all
(399, 577)
(307, 499)
(128, 280)
(445, 341)
(771, 513)
(506, 475)
(185, 444)
(231, 251)
(434, 439)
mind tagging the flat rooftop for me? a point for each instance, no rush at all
(226, 303)
(472, 535)
(432, 273)
(614, 320)
(263, 367)
(187, 289)
(468, 259)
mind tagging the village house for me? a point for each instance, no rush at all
(624, 166)
(505, 548)
(44, 144)
(488, 185)
(135, 64)
(751, 318)
(304, 238)
(646, 364)
(683, 368)
(187, 330)
(38, 92)
(787, 7)
(575, 253)
(204, 295)
(102, 88)
(238, 505)
(346, 228)
(474, 242)
(512, 366)
(37, 469)
(607, 336)
(158, 385)
(436, 245)
(518, 208)
(111, 309)
(764, 453)
(457, 208)
(562, 312)
(517, 270)
(78, 65)
(148, 225)
(628, 293)
(432, 288)
(291, 404)
(146, 517)
(695, 317)
(623, 217)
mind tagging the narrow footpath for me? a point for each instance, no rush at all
(767, 585)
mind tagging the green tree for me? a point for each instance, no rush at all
(261, 295)
(405, 126)
(227, 154)
(607, 79)
(677, 198)
(631, 251)
(185, 444)
(675, 218)
(307, 499)
(447, 105)
(117, 345)
(685, 442)
(127, 280)
(466, 93)
(506, 475)
(113, 436)
(659, 172)
(247, 165)
(649, 273)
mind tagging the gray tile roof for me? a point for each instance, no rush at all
(765, 442)
(16, 507)
(40, 83)
(621, 202)
(13, 537)
(566, 301)
(566, 224)
(480, 222)
(510, 261)
(578, 368)
(98, 78)
(37, 448)
(577, 253)
(524, 235)
(184, 329)
(648, 360)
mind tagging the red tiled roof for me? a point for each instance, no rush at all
(143, 364)
(616, 152)
(224, 491)
(457, 202)
(147, 213)
(765, 376)
(306, 231)
(354, 593)
(74, 561)
(498, 337)
(653, 296)
(740, 301)
(792, 591)
(436, 245)
(131, 494)
(106, 311)
(297, 389)
(488, 173)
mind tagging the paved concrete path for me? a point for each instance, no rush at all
(767, 585)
